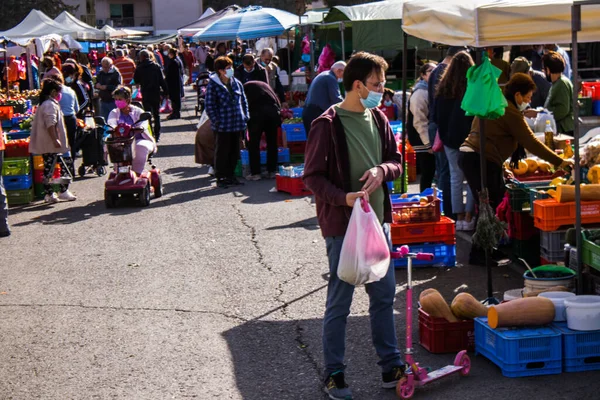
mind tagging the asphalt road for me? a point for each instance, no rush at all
(208, 294)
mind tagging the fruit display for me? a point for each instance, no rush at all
(530, 167)
(417, 209)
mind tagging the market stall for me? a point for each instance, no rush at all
(205, 20)
(84, 31)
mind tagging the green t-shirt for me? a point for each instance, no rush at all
(364, 152)
(560, 103)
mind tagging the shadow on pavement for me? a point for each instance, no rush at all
(173, 150)
(310, 224)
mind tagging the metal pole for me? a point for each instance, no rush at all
(289, 58)
(404, 78)
(576, 26)
(312, 52)
(28, 63)
(342, 29)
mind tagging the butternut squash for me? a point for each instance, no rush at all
(426, 292)
(530, 311)
(434, 304)
(465, 306)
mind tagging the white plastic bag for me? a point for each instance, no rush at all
(365, 255)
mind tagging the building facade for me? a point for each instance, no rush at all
(156, 16)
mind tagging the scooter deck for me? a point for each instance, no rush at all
(437, 374)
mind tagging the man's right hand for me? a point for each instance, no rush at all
(353, 196)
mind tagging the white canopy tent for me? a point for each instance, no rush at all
(36, 24)
(85, 31)
(113, 33)
(485, 23)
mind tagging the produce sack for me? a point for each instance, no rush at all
(365, 255)
(484, 98)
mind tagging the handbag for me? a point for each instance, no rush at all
(438, 145)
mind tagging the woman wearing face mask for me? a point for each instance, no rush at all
(387, 105)
(129, 114)
(72, 75)
(227, 109)
(503, 136)
(49, 137)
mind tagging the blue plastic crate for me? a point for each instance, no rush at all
(283, 156)
(294, 132)
(581, 350)
(520, 351)
(396, 127)
(397, 198)
(6, 123)
(297, 112)
(444, 255)
(17, 135)
(17, 182)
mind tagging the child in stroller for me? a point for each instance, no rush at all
(200, 85)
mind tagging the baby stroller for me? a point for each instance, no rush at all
(200, 85)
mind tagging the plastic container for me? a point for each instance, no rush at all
(520, 352)
(17, 148)
(513, 294)
(522, 227)
(549, 276)
(416, 212)
(550, 215)
(297, 112)
(438, 336)
(297, 147)
(19, 197)
(581, 350)
(293, 186)
(444, 255)
(294, 132)
(16, 166)
(591, 253)
(17, 182)
(6, 113)
(38, 163)
(518, 198)
(398, 200)
(412, 173)
(283, 156)
(583, 313)
(14, 135)
(443, 231)
(538, 194)
(558, 298)
(596, 107)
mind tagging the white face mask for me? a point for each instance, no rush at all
(523, 106)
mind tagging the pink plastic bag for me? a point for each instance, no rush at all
(365, 255)
(438, 145)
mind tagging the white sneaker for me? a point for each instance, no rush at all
(460, 225)
(211, 171)
(253, 178)
(51, 199)
(469, 226)
(67, 196)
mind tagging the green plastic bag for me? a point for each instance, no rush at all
(483, 97)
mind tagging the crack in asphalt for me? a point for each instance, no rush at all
(253, 239)
(226, 315)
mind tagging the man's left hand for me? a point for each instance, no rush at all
(373, 179)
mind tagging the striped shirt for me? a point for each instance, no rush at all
(126, 67)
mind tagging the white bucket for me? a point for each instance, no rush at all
(513, 294)
(583, 313)
(558, 298)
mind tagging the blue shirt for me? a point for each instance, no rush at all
(68, 102)
(324, 91)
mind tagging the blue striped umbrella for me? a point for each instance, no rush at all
(249, 23)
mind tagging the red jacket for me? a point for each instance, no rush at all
(327, 169)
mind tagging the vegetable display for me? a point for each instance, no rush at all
(529, 311)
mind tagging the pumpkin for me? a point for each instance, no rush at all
(465, 306)
(544, 167)
(529, 311)
(434, 304)
(426, 292)
(532, 165)
(521, 169)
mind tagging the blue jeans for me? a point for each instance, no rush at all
(3, 202)
(381, 312)
(106, 107)
(443, 173)
(457, 179)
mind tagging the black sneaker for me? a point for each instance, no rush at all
(336, 387)
(234, 182)
(222, 183)
(390, 379)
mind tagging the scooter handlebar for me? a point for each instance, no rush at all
(424, 257)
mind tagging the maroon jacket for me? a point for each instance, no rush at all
(327, 169)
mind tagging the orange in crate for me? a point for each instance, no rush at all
(428, 232)
(550, 215)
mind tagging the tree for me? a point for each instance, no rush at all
(13, 11)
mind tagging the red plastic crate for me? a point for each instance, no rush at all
(6, 112)
(38, 175)
(550, 215)
(411, 159)
(415, 212)
(17, 148)
(537, 176)
(522, 226)
(293, 186)
(443, 231)
(412, 173)
(297, 147)
(440, 336)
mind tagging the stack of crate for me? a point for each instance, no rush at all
(296, 141)
(421, 226)
(18, 182)
(525, 237)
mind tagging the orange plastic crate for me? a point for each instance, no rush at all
(443, 231)
(412, 173)
(551, 214)
(6, 112)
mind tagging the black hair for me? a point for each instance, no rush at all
(48, 86)
(361, 66)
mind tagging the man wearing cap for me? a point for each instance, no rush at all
(521, 64)
(324, 91)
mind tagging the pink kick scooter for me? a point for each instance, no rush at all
(417, 376)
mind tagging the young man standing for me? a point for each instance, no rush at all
(351, 153)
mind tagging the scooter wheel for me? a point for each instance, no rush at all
(158, 189)
(462, 360)
(81, 170)
(405, 389)
(145, 196)
(101, 171)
